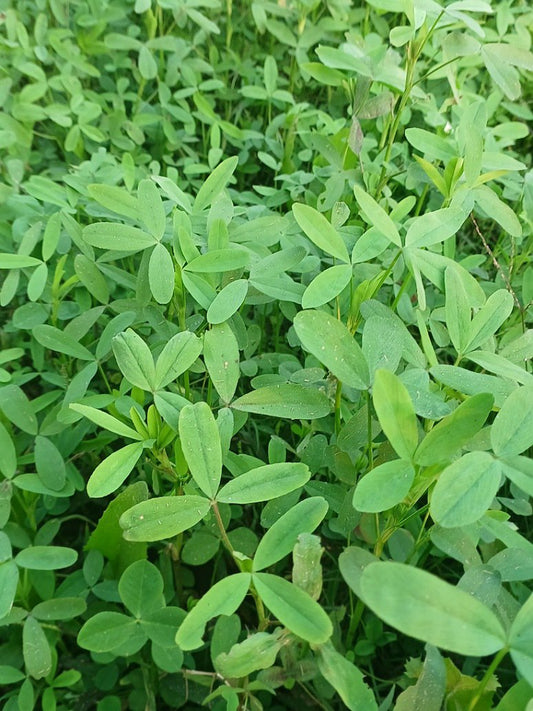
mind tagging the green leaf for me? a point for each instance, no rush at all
(115, 199)
(91, 278)
(200, 442)
(326, 286)
(163, 517)
(176, 357)
(46, 557)
(141, 589)
(258, 651)
(428, 692)
(520, 471)
(162, 624)
(17, 261)
(346, 679)
(295, 402)
(521, 640)
(134, 360)
(457, 309)
(427, 608)
(8, 460)
(107, 536)
(9, 576)
(221, 356)
(396, 413)
(49, 463)
(431, 144)
(264, 483)
(105, 420)
(384, 487)
(279, 540)
(512, 431)
(497, 210)
(117, 237)
(333, 345)
(215, 184)
(227, 302)
(376, 216)
(107, 631)
(223, 598)
(35, 648)
(147, 64)
(220, 260)
(489, 318)
(455, 430)
(113, 470)
(320, 231)
(465, 490)
(10, 675)
(151, 209)
(434, 227)
(59, 608)
(55, 340)
(294, 608)
(161, 274)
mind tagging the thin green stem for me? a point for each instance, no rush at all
(487, 677)
(338, 398)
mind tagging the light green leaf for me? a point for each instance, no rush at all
(117, 237)
(431, 144)
(376, 216)
(320, 231)
(457, 309)
(35, 649)
(489, 318)
(427, 608)
(9, 576)
(105, 420)
(326, 286)
(521, 640)
(434, 227)
(163, 517)
(294, 608)
(59, 608)
(134, 360)
(295, 402)
(258, 651)
(115, 199)
(176, 357)
(113, 470)
(465, 490)
(46, 557)
(223, 598)
(107, 631)
(384, 487)
(221, 356)
(227, 302)
(200, 442)
(151, 209)
(147, 64)
(281, 537)
(497, 210)
(520, 471)
(512, 430)
(346, 679)
(428, 692)
(56, 340)
(141, 589)
(8, 460)
(17, 261)
(264, 483)
(91, 278)
(215, 183)
(49, 463)
(220, 260)
(396, 413)
(333, 345)
(161, 274)
(455, 430)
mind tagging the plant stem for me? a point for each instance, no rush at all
(486, 678)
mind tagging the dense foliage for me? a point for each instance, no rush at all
(265, 395)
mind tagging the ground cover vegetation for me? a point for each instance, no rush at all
(265, 392)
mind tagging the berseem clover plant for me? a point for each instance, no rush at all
(266, 399)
